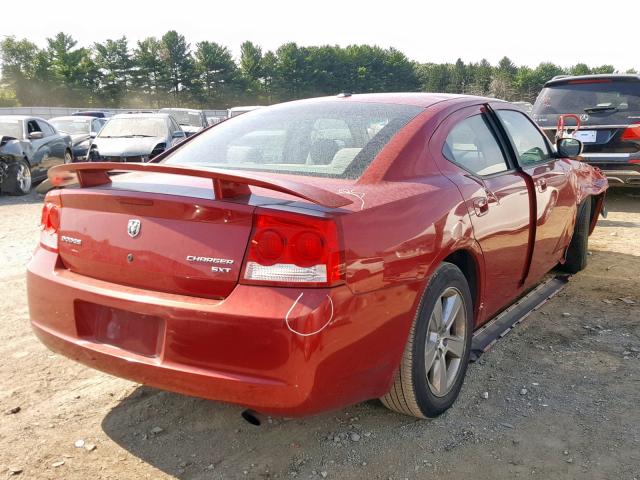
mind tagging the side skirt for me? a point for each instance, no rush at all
(496, 328)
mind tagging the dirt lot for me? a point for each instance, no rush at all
(563, 397)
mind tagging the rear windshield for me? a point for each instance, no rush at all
(329, 139)
(134, 127)
(598, 102)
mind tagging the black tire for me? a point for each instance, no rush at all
(18, 179)
(413, 392)
(68, 157)
(576, 257)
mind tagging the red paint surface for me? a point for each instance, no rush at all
(163, 321)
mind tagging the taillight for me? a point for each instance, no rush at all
(50, 222)
(631, 133)
(295, 250)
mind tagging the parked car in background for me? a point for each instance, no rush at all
(608, 109)
(297, 260)
(215, 120)
(92, 113)
(135, 137)
(235, 111)
(526, 107)
(191, 121)
(29, 146)
(81, 129)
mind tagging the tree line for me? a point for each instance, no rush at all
(168, 71)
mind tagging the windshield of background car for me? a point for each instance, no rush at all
(191, 119)
(72, 127)
(598, 102)
(327, 139)
(10, 128)
(134, 127)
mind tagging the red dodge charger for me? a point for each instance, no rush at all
(313, 254)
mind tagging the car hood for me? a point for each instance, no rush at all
(77, 138)
(127, 146)
(9, 146)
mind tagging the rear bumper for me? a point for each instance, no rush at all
(623, 178)
(242, 350)
(620, 176)
(617, 167)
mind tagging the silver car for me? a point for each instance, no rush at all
(135, 137)
(190, 120)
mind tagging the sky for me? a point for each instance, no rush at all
(527, 31)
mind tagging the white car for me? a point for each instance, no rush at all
(235, 111)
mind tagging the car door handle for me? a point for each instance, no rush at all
(542, 184)
(481, 206)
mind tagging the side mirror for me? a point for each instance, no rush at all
(93, 134)
(569, 147)
(36, 135)
(179, 134)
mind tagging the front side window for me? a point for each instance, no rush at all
(527, 140)
(471, 145)
(331, 139)
(32, 126)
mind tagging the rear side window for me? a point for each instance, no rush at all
(528, 142)
(598, 101)
(329, 139)
(472, 146)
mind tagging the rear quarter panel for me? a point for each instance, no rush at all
(392, 250)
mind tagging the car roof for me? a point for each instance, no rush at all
(564, 79)
(418, 99)
(77, 117)
(142, 115)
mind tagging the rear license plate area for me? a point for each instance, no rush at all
(585, 136)
(134, 332)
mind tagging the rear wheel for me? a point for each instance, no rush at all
(18, 179)
(68, 158)
(435, 358)
(576, 258)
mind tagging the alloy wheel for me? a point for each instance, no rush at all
(446, 339)
(23, 177)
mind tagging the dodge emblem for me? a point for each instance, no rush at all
(133, 227)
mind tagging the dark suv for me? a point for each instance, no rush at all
(608, 107)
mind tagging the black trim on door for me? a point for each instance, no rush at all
(531, 187)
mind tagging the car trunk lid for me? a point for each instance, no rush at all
(153, 241)
(188, 238)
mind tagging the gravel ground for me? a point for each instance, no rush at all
(557, 398)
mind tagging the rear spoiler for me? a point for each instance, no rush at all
(226, 183)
